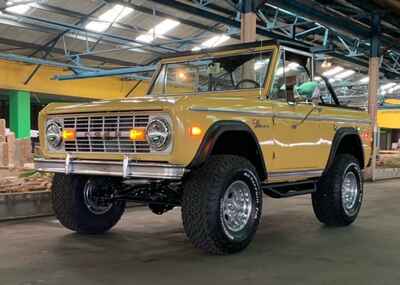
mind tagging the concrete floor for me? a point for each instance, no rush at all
(291, 247)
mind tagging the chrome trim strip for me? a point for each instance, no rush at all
(225, 110)
(125, 166)
(283, 115)
(67, 164)
(295, 174)
(111, 168)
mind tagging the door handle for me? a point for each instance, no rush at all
(314, 108)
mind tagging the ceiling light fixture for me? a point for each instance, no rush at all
(326, 64)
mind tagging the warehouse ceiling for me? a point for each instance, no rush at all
(115, 33)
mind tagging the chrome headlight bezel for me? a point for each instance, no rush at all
(159, 133)
(53, 135)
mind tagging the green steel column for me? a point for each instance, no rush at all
(20, 113)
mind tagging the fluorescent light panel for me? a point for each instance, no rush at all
(333, 71)
(260, 64)
(291, 66)
(394, 89)
(344, 74)
(388, 85)
(213, 42)
(365, 80)
(17, 9)
(158, 31)
(114, 14)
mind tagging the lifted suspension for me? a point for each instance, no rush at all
(158, 195)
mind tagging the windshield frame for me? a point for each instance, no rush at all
(262, 90)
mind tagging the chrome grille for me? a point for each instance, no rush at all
(106, 133)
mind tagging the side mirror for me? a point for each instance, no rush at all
(308, 90)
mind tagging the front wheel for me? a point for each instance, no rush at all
(339, 194)
(84, 204)
(222, 204)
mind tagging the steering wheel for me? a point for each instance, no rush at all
(256, 84)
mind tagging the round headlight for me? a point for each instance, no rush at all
(54, 134)
(158, 134)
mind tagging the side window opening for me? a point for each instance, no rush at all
(341, 83)
(292, 80)
(235, 72)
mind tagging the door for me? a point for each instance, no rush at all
(296, 128)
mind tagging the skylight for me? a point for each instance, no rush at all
(158, 31)
(364, 80)
(213, 42)
(115, 14)
(344, 74)
(394, 89)
(260, 64)
(291, 66)
(388, 85)
(333, 71)
(17, 9)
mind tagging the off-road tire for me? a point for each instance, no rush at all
(71, 211)
(201, 204)
(327, 200)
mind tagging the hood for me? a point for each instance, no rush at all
(128, 104)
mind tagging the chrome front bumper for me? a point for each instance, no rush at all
(125, 168)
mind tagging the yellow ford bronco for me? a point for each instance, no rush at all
(216, 129)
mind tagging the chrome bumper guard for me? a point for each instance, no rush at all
(123, 168)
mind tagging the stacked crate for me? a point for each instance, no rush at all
(14, 153)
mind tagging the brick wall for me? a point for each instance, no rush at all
(14, 153)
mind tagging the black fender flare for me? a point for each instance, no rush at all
(212, 135)
(337, 139)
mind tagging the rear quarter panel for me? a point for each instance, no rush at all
(334, 118)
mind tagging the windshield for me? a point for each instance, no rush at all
(246, 71)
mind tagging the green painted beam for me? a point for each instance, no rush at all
(20, 113)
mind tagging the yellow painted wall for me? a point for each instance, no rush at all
(13, 75)
(389, 119)
(392, 101)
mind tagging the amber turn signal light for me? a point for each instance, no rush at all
(195, 131)
(137, 135)
(69, 134)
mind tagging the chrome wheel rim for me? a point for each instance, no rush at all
(350, 191)
(236, 206)
(95, 203)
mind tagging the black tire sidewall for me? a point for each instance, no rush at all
(327, 201)
(93, 223)
(246, 234)
(70, 208)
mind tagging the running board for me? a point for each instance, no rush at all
(285, 190)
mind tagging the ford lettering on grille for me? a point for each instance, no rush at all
(106, 133)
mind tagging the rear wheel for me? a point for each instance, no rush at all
(84, 204)
(222, 204)
(338, 198)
